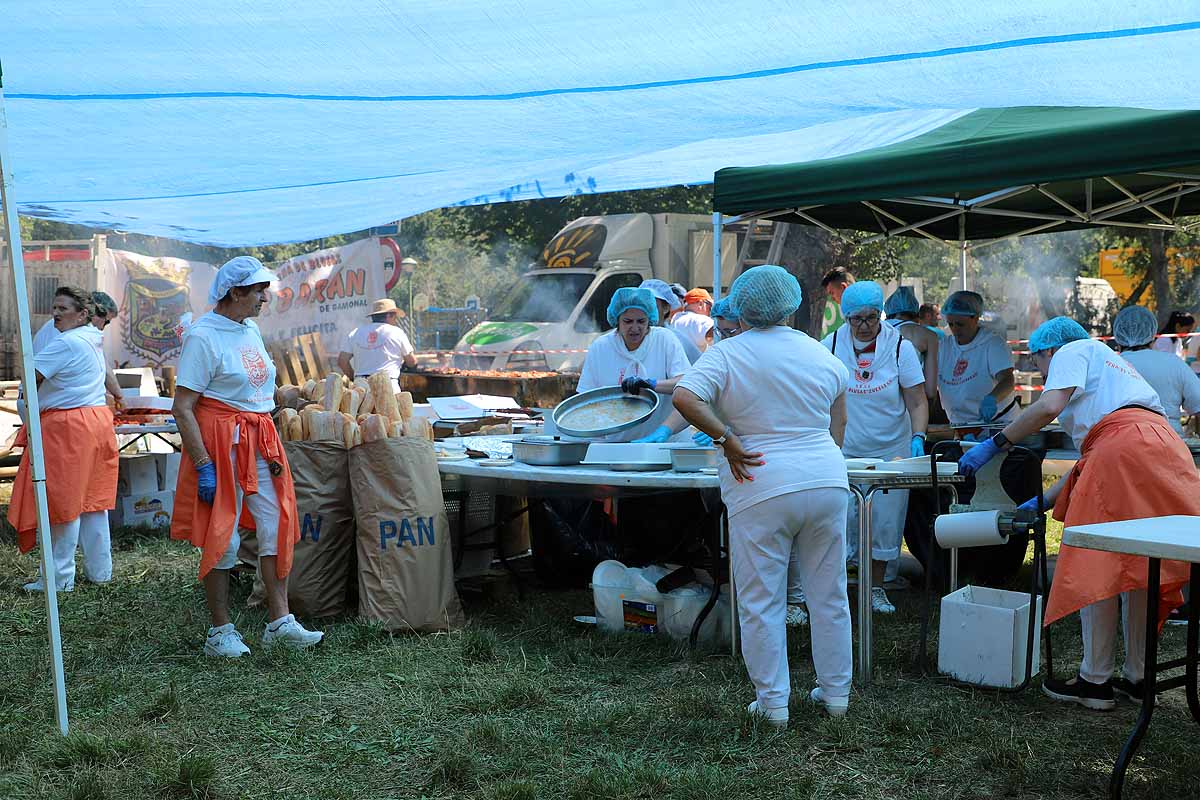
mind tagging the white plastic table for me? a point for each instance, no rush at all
(1174, 538)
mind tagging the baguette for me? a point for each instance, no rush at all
(307, 414)
(283, 422)
(419, 428)
(404, 403)
(374, 428)
(349, 426)
(333, 390)
(295, 430)
(383, 395)
(355, 397)
(395, 430)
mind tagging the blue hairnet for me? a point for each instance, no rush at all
(661, 290)
(1135, 326)
(902, 301)
(724, 310)
(626, 298)
(860, 295)
(765, 295)
(1055, 333)
(240, 271)
(963, 304)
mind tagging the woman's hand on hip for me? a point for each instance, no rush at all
(739, 460)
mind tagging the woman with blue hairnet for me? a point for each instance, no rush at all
(902, 309)
(1132, 466)
(1177, 386)
(886, 415)
(669, 301)
(975, 369)
(224, 397)
(774, 400)
(636, 354)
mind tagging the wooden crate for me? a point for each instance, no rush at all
(299, 360)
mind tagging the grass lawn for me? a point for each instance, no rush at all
(524, 703)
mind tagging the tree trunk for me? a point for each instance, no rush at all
(1159, 277)
(808, 254)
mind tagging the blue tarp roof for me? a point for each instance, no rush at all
(236, 123)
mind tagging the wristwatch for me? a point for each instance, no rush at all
(1001, 441)
(724, 435)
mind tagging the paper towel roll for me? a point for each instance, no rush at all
(969, 529)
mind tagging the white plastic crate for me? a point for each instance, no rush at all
(983, 634)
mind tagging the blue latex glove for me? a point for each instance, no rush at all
(1031, 505)
(703, 439)
(987, 408)
(660, 435)
(635, 383)
(206, 482)
(974, 459)
(918, 446)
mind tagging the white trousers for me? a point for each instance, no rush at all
(264, 507)
(1099, 621)
(90, 532)
(761, 543)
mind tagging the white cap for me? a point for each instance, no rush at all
(240, 271)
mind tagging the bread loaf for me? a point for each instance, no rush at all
(283, 422)
(419, 428)
(349, 427)
(309, 390)
(383, 396)
(295, 430)
(404, 403)
(306, 421)
(357, 436)
(354, 401)
(289, 396)
(396, 430)
(374, 428)
(333, 390)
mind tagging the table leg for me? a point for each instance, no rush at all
(1150, 684)
(864, 583)
(953, 569)
(734, 632)
(1193, 641)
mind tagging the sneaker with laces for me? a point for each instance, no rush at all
(290, 633)
(836, 706)
(1096, 696)
(796, 616)
(879, 601)
(775, 717)
(225, 642)
(1128, 689)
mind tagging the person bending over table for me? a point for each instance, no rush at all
(886, 413)
(1132, 466)
(78, 446)
(224, 396)
(774, 400)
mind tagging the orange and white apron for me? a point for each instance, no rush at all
(1133, 466)
(80, 450)
(210, 527)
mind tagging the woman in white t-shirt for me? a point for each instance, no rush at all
(79, 447)
(774, 400)
(886, 416)
(1177, 385)
(636, 354)
(1174, 334)
(975, 369)
(224, 395)
(1132, 466)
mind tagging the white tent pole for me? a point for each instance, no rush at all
(716, 292)
(34, 426)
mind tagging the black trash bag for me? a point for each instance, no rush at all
(569, 537)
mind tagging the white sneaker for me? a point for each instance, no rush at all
(775, 717)
(879, 601)
(290, 633)
(796, 616)
(836, 706)
(38, 586)
(225, 642)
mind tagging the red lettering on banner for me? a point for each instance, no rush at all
(356, 282)
(284, 299)
(319, 290)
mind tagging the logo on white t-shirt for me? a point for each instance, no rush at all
(372, 338)
(255, 366)
(960, 367)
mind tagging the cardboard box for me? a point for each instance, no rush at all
(137, 475)
(983, 634)
(168, 470)
(151, 510)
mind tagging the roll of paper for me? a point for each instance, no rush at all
(969, 529)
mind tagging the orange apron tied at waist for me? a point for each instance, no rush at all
(79, 448)
(1133, 466)
(210, 527)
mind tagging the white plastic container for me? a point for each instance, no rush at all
(681, 607)
(983, 634)
(625, 597)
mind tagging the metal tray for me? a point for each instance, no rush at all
(548, 451)
(628, 466)
(641, 407)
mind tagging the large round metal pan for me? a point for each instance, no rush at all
(604, 411)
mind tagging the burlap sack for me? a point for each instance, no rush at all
(319, 584)
(405, 565)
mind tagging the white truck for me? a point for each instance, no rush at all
(554, 311)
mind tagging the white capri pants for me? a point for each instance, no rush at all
(761, 539)
(89, 532)
(264, 507)
(1099, 621)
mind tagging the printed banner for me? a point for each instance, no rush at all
(152, 293)
(327, 292)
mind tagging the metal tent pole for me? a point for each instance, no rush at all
(717, 225)
(962, 249)
(16, 260)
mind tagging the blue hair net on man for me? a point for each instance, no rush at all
(964, 304)
(626, 298)
(723, 309)
(765, 295)
(240, 271)
(661, 290)
(902, 301)
(1135, 326)
(862, 295)
(1055, 333)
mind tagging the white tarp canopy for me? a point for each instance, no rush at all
(236, 123)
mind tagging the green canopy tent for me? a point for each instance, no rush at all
(990, 175)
